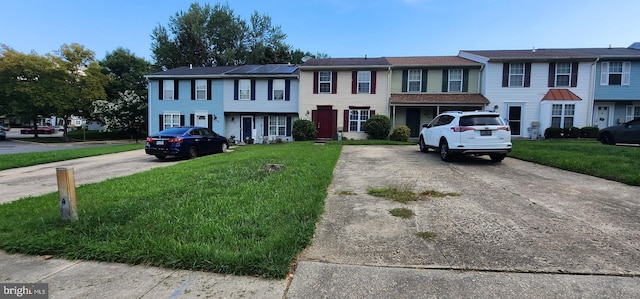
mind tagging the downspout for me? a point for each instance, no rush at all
(392, 109)
(480, 81)
(592, 91)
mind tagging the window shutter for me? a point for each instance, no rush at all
(345, 121)
(287, 90)
(423, 87)
(270, 90)
(445, 80)
(552, 75)
(505, 75)
(192, 118)
(176, 93)
(315, 82)
(405, 80)
(527, 74)
(193, 90)
(574, 74)
(288, 128)
(160, 89)
(236, 87)
(161, 119)
(354, 82)
(604, 73)
(265, 130)
(626, 73)
(374, 78)
(334, 82)
(465, 80)
(209, 91)
(629, 113)
(181, 120)
(373, 112)
(253, 90)
(210, 121)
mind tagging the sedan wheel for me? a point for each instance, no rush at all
(423, 147)
(445, 155)
(193, 152)
(607, 138)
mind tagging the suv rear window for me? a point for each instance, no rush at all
(480, 120)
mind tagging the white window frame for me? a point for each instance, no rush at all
(632, 112)
(324, 81)
(244, 89)
(562, 113)
(170, 120)
(364, 82)
(167, 89)
(606, 70)
(563, 69)
(277, 125)
(278, 93)
(455, 76)
(515, 73)
(201, 89)
(357, 118)
(414, 76)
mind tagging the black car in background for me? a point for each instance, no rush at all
(188, 142)
(628, 132)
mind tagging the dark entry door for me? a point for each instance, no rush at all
(325, 119)
(515, 120)
(247, 127)
(413, 121)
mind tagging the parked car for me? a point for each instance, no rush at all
(467, 133)
(188, 142)
(58, 128)
(41, 130)
(628, 132)
(3, 128)
(3, 135)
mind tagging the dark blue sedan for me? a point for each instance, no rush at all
(188, 142)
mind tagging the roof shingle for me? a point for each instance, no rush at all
(431, 98)
(560, 95)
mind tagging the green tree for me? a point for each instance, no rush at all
(126, 113)
(125, 72)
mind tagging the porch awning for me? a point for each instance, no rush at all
(560, 95)
(438, 99)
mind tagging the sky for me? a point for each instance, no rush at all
(339, 28)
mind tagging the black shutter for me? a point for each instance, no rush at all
(287, 90)
(160, 89)
(445, 80)
(527, 74)
(424, 81)
(574, 74)
(505, 75)
(405, 79)
(253, 90)
(209, 87)
(210, 122)
(181, 120)
(193, 89)
(161, 126)
(236, 86)
(288, 129)
(465, 80)
(192, 118)
(176, 92)
(270, 90)
(266, 126)
(551, 82)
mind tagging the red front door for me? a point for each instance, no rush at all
(325, 119)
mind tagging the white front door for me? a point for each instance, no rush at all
(601, 116)
(201, 120)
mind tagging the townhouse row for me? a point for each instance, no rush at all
(531, 89)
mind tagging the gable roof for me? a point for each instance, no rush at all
(431, 61)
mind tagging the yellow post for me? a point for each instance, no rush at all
(67, 193)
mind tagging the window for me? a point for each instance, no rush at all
(201, 89)
(278, 89)
(563, 73)
(171, 120)
(615, 73)
(414, 81)
(633, 112)
(324, 82)
(277, 125)
(516, 74)
(364, 82)
(562, 115)
(357, 118)
(244, 87)
(167, 89)
(455, 80)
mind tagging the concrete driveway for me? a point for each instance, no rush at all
(565, 234)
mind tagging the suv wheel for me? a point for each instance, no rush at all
(445, 155)
(497, 157)
(423, 147)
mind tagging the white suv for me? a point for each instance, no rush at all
(467, 133)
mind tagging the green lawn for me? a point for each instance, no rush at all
(618, 163)
(224, 213)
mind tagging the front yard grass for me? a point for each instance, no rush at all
(618, 163)
(224, 213)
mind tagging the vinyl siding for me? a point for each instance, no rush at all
(261, 103)
(434, 81)
(619, 92)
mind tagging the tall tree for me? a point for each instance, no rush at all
(125, 72)
(266, 41)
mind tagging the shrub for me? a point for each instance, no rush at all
(553, 132)
(400, 133)
(378, 127)
(589, 132)
(571, 132)
(303, 130)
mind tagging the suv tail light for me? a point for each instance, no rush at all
(461, 129)
(506, 128)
